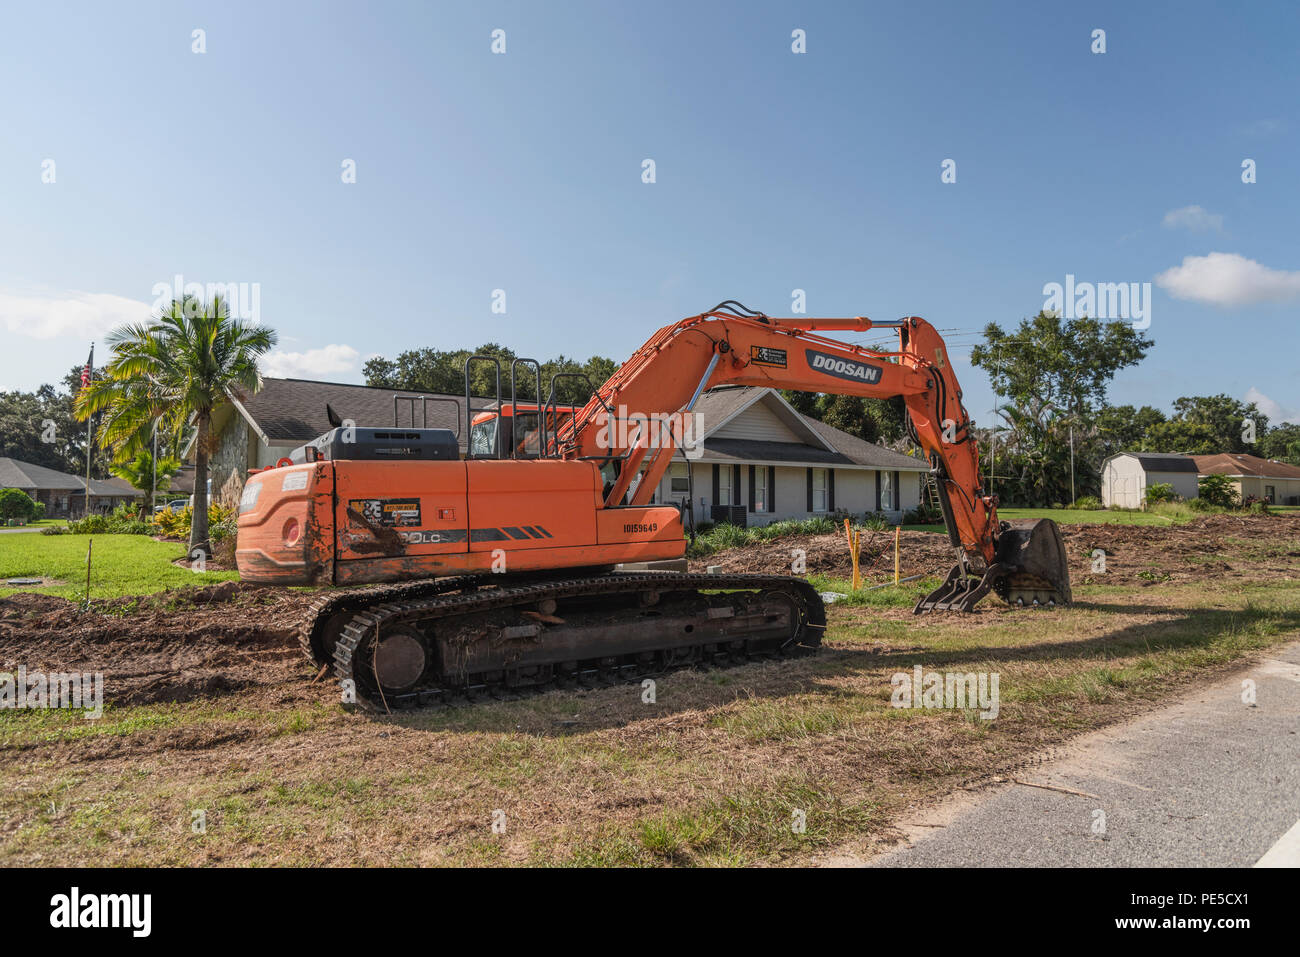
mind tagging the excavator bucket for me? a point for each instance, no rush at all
(1035, 568)
(1030, 568)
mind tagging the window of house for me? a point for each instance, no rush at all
(1270, 495)
(678, 481)
(819, 490)
(760, 489)
(724, 485)
(886, 492)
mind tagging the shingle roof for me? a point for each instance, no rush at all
(294, 409)
(1163, 462)
(861, 452)
(25, 475)
(1239, 463)
(718, 405)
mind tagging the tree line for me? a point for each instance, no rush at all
(435, 370)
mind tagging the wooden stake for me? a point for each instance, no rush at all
(898, 530)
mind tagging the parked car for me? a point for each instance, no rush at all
(175, 505)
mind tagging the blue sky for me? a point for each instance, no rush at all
(775, 171)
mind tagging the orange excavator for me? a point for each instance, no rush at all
(496, 570)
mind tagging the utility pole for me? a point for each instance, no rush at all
(1071, 464)
(87, 378)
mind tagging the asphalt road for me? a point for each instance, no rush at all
(1206, 781)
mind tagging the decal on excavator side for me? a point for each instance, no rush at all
(391, 512)
(767, 356)
(843, 369)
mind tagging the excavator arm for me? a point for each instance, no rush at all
(638, 418)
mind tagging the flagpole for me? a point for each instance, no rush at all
(90, 425)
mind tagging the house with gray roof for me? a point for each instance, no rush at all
(760, 459)
(256, 431)
(64, 495)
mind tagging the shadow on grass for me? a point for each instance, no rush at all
(560, 713)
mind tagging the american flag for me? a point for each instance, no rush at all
(90, 364)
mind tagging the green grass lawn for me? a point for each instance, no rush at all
(1068, 516)
(122, 565)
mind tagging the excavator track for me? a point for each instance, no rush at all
(314, 634)
(455, 640)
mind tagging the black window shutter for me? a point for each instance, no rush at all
(830, 490)
(809, 489)
(771, 488)
(898, 493)
(751, 488)
(878, 474)
(715, 485)
(735, 485)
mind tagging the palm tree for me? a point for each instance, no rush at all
(139, 471)
(172, 372)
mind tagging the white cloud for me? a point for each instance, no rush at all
(332, 360)
(1276, 412)
(71, 315)
(1227, 279)
(1195, 218)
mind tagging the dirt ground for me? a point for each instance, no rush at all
(170, 647)
(1134, 554)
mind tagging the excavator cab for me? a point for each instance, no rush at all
(514, 429)
(520, 432)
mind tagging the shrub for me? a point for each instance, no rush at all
(177, 524)
(1218, 490)
(1086, 503)
(1256, 506)
(1160, 492)
(121, 522)
(15, 503)
(922, 516)
(875, 521)
(54, 530)
(90, 525)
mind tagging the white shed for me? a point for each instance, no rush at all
(1126, 476)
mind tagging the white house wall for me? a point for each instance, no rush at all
(757, 423)
(855, 492)
(1185, 483)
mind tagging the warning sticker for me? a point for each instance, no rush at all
(389, 512)
(765, 356)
